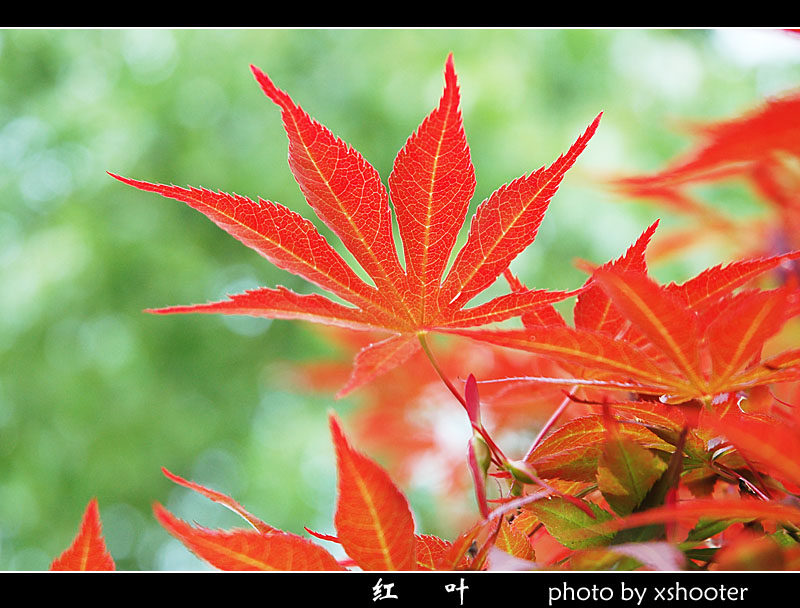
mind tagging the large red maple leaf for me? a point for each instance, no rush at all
(430, 186)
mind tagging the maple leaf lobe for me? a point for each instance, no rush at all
(88, 549)
(242, 550)
(373, 520)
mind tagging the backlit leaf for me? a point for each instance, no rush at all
(221, 499)
(574, 449)
(514, 541)
(593, 309)
(88, 549)
(570, 525)
(432, 552)
(691, 511)
(624, 365)
(736, 336)
(714, 283)
(373, 520)
(766, 442)
(431, 184)
(626, 472)
(242, 550)
(659, 316)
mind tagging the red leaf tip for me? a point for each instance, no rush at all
(169, 474)
(593, 127)
(270, 90)
(334, 425)
(449, 68)
(88, 549)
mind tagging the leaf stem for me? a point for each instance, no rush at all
(497, 454)
(426, 347)
(550, 423)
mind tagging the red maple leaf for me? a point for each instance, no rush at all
(373, 521)
(431, 185)
(770, 442)
(88, 549)
(761, 147)
(739, 145)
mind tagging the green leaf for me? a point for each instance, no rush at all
(708, 527)
(626, 471)
(656, 496)
(572, 451)
(571, 526)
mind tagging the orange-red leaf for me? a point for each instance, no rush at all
(519, 303)
(751, 138)
(787, 359)
(668, 421)
(658, 315)
(460, 555)
(714, 283)
(431, 185)
(692, 510)
(543, 315)
(432, 552)
(624, 365)
(761, 554)
(514, 541)
(380, 357)
(221, 499)
(373, 520)
(282, 303)
(344, 190)
(768, 443)
(679, 342)
(593, 308)
(572, 451)
(242, 550)
(88, 549)
(736, 336)
(650, 413)
(286, 239)
(505, 224)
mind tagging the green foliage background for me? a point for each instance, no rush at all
(96, 396)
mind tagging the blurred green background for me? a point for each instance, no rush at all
(96, 396)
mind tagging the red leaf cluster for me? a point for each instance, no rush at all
(678, 342)
(759, 149)
(673, 430)
(374, 527)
